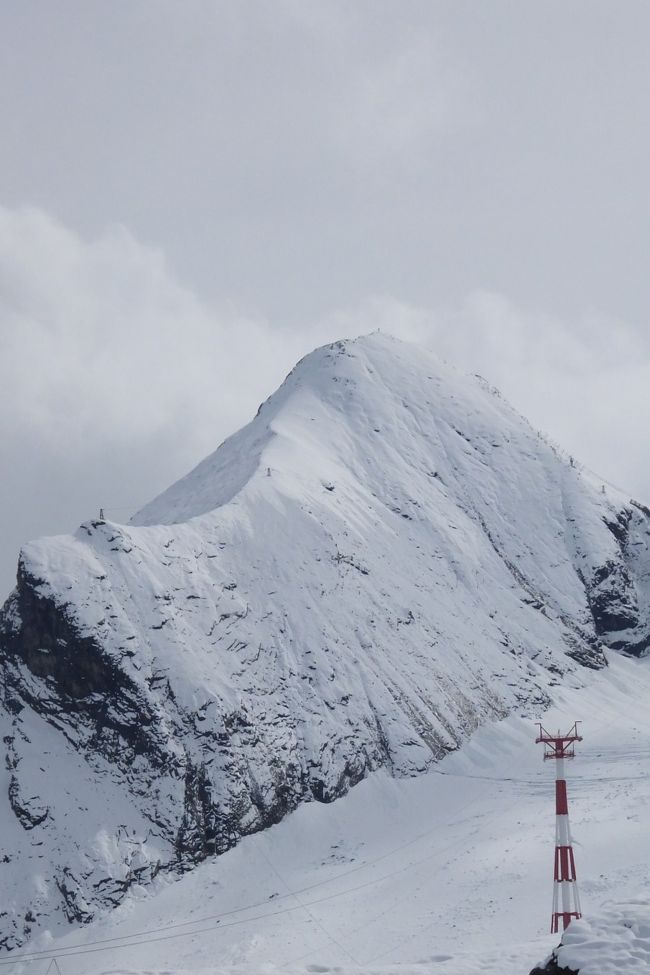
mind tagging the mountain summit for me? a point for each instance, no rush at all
(385, 557)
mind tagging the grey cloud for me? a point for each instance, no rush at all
(115, 378)
(482, 168)
(296, 156)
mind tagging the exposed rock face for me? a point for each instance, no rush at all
(551, 968)
(385, 557)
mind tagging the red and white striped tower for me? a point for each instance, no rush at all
(565, 887)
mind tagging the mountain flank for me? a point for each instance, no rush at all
(386, 557)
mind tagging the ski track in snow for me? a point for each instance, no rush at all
(449, 873)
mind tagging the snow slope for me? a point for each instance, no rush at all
(449, 873)
(387, 557)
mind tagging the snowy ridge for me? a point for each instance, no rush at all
(385, 558)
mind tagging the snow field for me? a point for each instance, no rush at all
(449, 873)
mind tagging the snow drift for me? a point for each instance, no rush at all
(385, 557)
(616, 941)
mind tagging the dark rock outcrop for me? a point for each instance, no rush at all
(551, 968)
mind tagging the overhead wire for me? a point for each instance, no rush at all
(316, 920)
(301, 890)
(131, 940)
(425, 859)
(76, 950)
(107, 944)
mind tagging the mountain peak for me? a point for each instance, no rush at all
(360, 386)
(386, 557)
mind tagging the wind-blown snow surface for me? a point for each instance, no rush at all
(616, 940)
(449, 873)
(385, 558)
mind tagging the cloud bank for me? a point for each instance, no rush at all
(115, 378)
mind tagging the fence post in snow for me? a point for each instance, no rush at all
(566, 902)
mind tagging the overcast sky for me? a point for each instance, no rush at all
(194, 194)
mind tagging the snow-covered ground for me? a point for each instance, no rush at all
(445, 874)
(616, 940)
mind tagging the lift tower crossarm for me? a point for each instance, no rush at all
(565, 886)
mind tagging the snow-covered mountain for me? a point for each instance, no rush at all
(386, 557)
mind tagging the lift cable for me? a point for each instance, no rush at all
(73, 950)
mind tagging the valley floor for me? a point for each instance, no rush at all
(447, 874)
